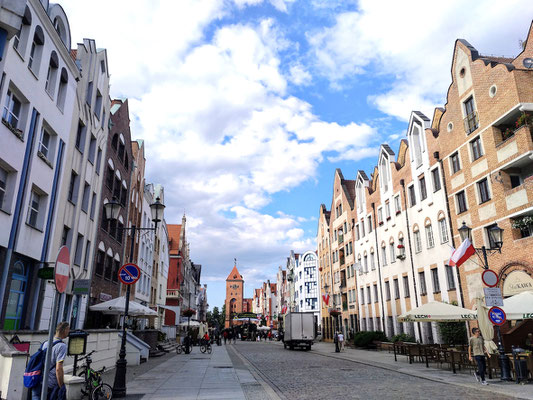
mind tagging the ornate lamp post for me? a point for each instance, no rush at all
(112, 209)
(496, 243)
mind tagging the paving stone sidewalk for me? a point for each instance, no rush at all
(191, 376)
(384, 359)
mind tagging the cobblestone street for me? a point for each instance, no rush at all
(307, 375)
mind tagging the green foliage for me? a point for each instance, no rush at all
(222, 317)
(403, 337)
(453, 333)
(365, 338)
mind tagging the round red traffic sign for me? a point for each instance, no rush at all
(497, 316)
(62, 269)
(128, 274)
(490, 278)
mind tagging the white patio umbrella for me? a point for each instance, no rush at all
(519, 306)
(142, 311)
(191, 324)
(485, 326)
(438, 312)
(117, 306)
(263, 328)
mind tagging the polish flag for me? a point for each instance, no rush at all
(463, 253)
(325, 297)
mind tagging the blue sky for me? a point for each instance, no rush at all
(248, 106)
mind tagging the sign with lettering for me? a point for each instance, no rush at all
(497, 316)
(517, 282)
(493, 297)
(81, 286)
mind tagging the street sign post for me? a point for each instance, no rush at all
(497, 316)
(61, 276)
(128, 274)
(493, 297)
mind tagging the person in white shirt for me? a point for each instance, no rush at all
(341, 341)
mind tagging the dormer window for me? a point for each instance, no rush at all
(416, 142)
(384, 171)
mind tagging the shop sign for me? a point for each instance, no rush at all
(517, 282)
(105, 297)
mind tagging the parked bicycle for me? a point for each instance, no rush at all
(180, 348)
(95, 388)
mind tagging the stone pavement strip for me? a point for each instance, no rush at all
(385, 360)
(195, 376)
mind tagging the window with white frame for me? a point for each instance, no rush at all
(20, 39)
(384, 255)
(436, 180)
(79, 250)
(372, 261)
(4, 175)
(396, 289)
(423, 189)
(35, 210)
(418, 241)
(392, 250)
(380, 215)
(406, 292)
(412, 196)
(483, 189)
(12, 110)
(435, 279)
(443, 228)
(36, 51)
(450, 277)
(51, 75)
(429, 237)
(422, 279)
(365, 259)
(475, 146)
(387, 209)
(397, 205)
(86, 197)
(62, 91)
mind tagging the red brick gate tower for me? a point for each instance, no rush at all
(234, 295)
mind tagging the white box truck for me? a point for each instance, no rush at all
(299, 330)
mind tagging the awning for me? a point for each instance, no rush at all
(519, 306)
(117, 306)
(439, 312)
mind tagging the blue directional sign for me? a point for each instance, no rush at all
(128, 274)
(497, 316)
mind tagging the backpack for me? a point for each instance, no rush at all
(33, 375)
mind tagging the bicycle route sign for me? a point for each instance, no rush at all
(497, 316)
(128, 274)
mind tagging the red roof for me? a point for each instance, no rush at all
(174, 232)
(234, 275)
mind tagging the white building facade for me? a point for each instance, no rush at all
(307, 284)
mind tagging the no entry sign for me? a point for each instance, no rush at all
(128, 274)
(497, 316)
(62, 269)
(490, 278)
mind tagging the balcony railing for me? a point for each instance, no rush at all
(173, 293)
(471, 122)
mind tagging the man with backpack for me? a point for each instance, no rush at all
(56, 389)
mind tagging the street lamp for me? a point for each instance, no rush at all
(112, 209)
(496, 242)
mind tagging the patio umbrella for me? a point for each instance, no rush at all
(519, 306)
(142, 311)
(438, 312)
(191, 324)
(263, 328)
(117, 306)
(485, 326)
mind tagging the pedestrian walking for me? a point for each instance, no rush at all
(56, 387)
(225, 334)
(477, 350)
(341, 341)
(336, 341)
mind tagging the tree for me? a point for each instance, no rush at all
(222, 317)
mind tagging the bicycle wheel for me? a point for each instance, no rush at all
(203, 348)
(209, 349)
(102, 392)
(179, 349)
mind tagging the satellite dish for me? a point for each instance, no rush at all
(528, 63)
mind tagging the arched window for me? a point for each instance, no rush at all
(62, 91)
(20, 40)
(51, 75)
(36, 50)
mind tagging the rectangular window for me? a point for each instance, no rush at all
(79, 250)
(387, 210)
(443, 231)
(93, 206)
(418, 242)
(3, 186)
(80, 137)
(65, 237)
(461, 202)
(380, 216)
(387, 291)
(376, 298)
(368, 295)
(471, 120)
(483, 189)
(89, 96)
(12, 110)
(412, 196)
(110, 176)
(100, 260)
(475, 145)
(362, 228)
(384, 255)
(92, 150)
(357, 235)
(73, 187)
(450, 277)
(365, 259)
(362, 299)
(372, 262)
(98, 161)
(397, 205)
(435, 278)
(369, 224)
(406, 286)
(423, 190)
(456, 165)
(85, 200)
(429, 237)
(422, 279)
(87, 255)
(98, 104)
(33, 209)
(492, 243)
(44, 145)
(396, 289)
(392, 251)
(436, 179)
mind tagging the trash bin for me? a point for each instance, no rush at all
(520, 367)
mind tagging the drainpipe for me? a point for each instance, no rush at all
(436, 155)
(17, 214)
(402, 183)
(379, 268)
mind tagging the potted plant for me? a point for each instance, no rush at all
(401, 253)
(506, 134)
(523, 223)
(523, 119)
(188, 312)
(335, 313)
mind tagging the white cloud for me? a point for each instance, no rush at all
(413, 45)
(299, 76)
